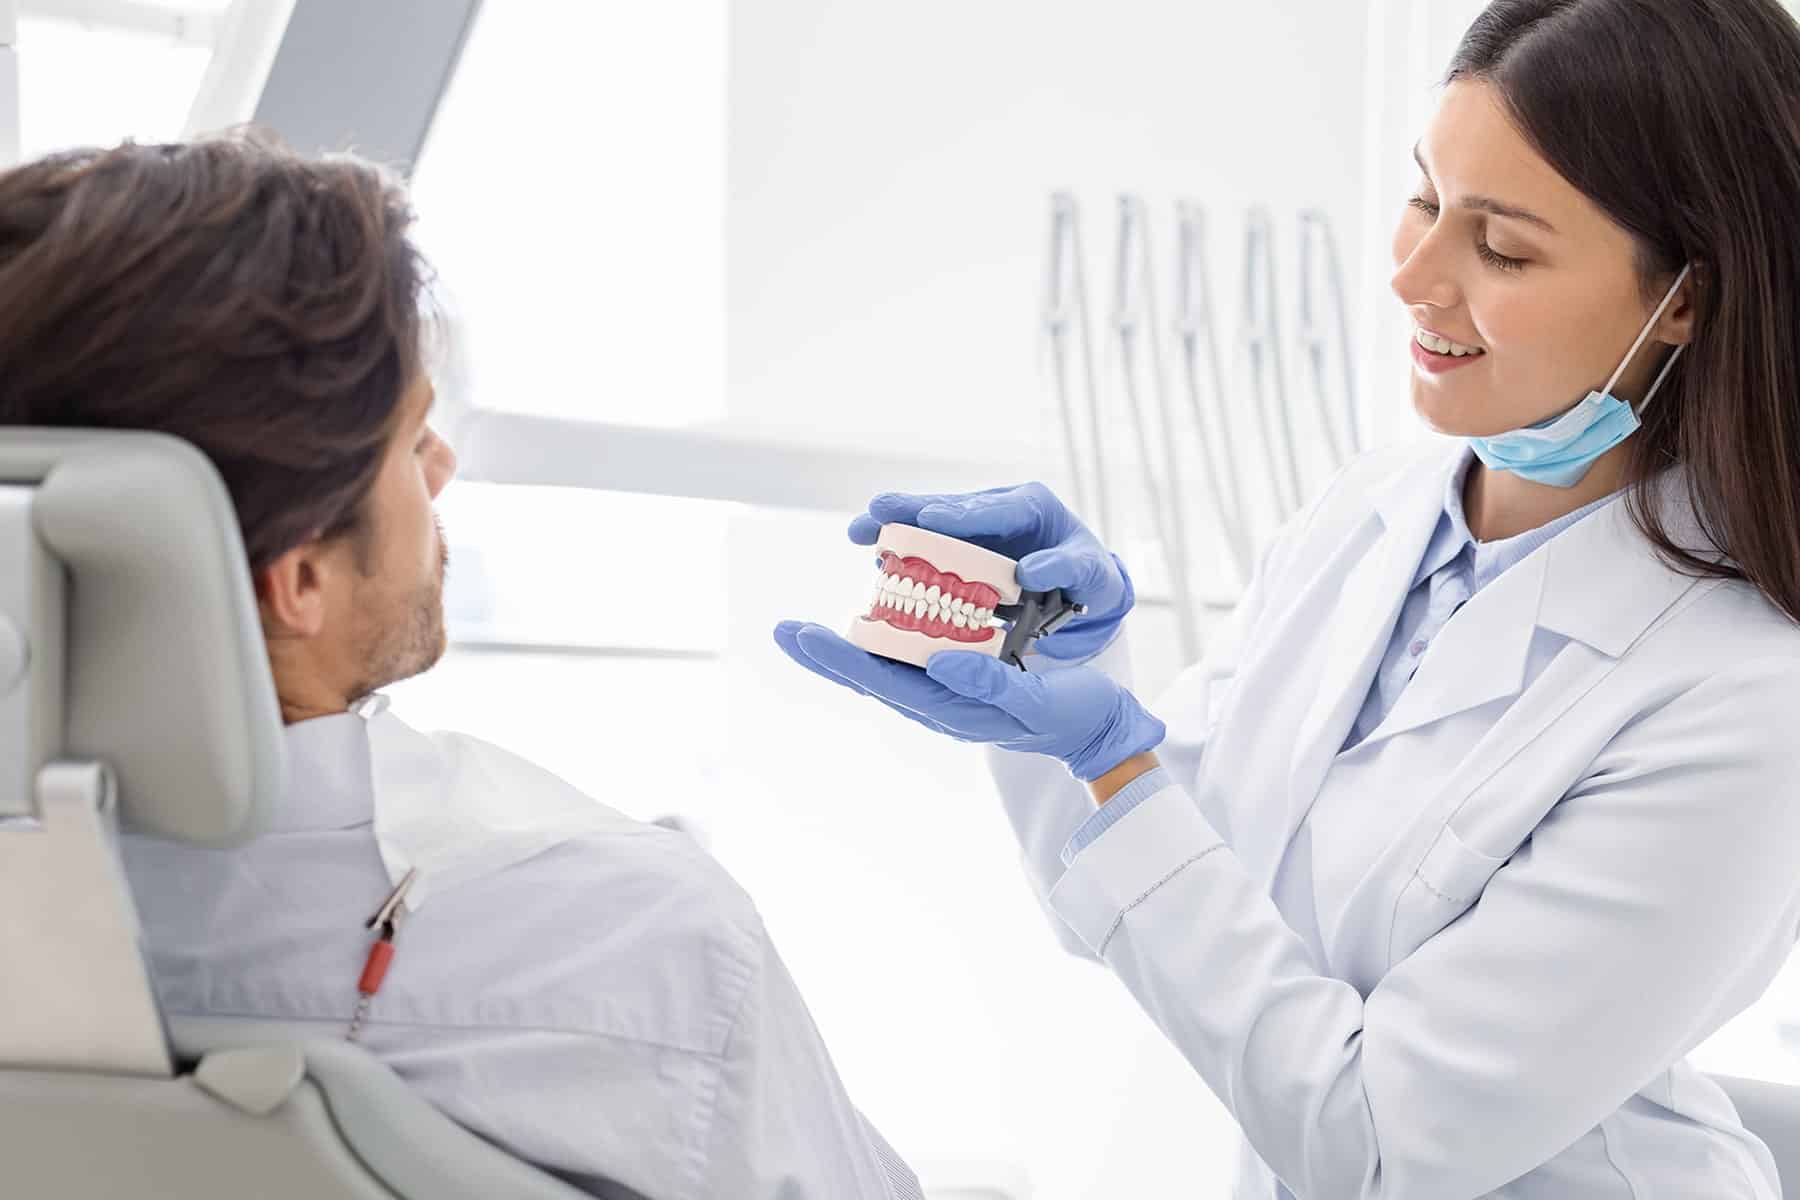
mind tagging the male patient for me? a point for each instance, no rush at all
(611, 1009)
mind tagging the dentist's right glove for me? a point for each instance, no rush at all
(1028, 523)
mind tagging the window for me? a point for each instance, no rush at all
(92, 82)
(572, 194)
(551, 568)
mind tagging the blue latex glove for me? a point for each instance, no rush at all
(1075, 714)
(1028, 523)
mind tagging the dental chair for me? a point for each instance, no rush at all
(135, 692)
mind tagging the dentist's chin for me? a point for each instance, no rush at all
(1449, 414)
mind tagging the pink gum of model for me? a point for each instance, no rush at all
(958, 581)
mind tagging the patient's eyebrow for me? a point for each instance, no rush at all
(1491, 205)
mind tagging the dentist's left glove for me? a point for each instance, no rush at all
(1076, 714)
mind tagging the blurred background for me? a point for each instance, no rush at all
(718, 273)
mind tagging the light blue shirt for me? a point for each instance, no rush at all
(612, 1009)
(1454, 567)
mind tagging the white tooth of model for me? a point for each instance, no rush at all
(934, 602)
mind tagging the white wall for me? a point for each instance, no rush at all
(891, 167)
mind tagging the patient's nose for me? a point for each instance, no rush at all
(443, 465)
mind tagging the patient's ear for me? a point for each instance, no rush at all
(292, 591)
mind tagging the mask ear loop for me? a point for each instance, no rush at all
(1645, 333)
(1660, 376)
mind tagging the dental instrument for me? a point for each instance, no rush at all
(1194, 326)
(1316, 239)
(1261, 341)
(1148, 410)
(1134, 312)
(1064, 318)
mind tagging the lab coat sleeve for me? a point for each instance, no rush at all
(1046, 805)
(1043, 802)
(1654, 901)
(783, 1127)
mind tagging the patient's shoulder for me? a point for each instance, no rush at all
(655, 883)
(639, 934)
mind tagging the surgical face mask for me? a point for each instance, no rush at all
(1559, 451)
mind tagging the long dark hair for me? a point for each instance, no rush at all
(1681, 120)
(264, 305)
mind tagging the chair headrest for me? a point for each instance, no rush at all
(167, 674)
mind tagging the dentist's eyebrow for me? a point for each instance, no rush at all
(1491, 205)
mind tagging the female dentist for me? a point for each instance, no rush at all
(1483, 809)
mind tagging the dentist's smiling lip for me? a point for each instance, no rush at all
(1446, 337)
(1433, 363)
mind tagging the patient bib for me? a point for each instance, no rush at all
(458, 808)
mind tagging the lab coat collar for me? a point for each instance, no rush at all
(328, 784)
(1605, 584)
(1598, 582)
(1408, 505)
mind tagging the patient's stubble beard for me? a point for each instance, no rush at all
(401, 649)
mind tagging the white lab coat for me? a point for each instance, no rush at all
(1468, 956)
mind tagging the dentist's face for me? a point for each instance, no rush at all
(1498, 252)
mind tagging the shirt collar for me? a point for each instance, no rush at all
(328, 784)
(1452, 536)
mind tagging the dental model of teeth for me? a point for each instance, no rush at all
(934, 592)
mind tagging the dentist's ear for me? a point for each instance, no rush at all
(1676, 328)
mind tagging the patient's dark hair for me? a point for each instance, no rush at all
(1680, 119)
(264, 305)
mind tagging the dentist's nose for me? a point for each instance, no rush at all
(1423, 289)
(1421, 279)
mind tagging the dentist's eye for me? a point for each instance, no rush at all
(1489, 255)
(1495, 259)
